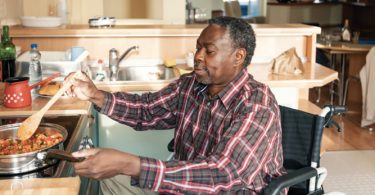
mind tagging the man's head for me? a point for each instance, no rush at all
(223, 49)
(241, 34)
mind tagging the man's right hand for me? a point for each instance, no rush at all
(84, 89)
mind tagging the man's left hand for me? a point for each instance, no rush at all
(106, 163)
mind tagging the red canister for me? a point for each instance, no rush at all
(17, 92)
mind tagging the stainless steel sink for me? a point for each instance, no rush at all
(145, 73)
(140, 73)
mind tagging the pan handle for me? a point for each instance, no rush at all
(58, 154)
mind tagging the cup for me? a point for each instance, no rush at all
(75, 52)
(328, 39)
(355, 37)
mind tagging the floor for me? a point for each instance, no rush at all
(350, 172)
(348, 155)
(352, 136)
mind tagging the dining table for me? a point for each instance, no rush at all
(341, 50)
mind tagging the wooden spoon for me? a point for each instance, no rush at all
(30, 125)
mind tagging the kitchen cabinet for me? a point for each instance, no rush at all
(150, 143)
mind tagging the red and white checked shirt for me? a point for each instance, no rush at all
(229, 144)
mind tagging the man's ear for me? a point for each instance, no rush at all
(240, 56)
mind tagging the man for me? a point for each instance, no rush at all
(227, 125)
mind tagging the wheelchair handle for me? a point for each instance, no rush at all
(332, 109)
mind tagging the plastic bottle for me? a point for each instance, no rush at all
(35, 69)
(101, 75)
(345, 32)
(7, 56)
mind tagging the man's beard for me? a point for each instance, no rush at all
(206, 78)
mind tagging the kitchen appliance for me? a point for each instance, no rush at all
(102, 21)
(17, 92)
(77, 127)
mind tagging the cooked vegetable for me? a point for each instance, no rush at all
(36, 142)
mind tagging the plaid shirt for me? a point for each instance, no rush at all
(228, 144)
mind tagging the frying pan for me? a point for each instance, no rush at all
(19, 163)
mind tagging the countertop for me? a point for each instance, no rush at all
(74, 106)
(152, 30)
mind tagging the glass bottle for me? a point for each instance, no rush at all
(345, 32)
(35, 69)
(7, 55)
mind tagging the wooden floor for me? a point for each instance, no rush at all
(352, 136)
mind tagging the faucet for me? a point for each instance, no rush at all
(114, 61)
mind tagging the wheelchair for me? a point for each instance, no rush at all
(301, 140)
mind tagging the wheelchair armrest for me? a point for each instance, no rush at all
(289, 179)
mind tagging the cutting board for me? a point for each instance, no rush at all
(40, 186)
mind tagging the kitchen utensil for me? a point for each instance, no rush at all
(17, 91)
(62, 155)
(30, 125)
(25, 162)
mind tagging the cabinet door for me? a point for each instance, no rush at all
(151, 143)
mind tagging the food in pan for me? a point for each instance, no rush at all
(38, 141)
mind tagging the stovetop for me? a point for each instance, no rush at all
(54, 168)
(48, 171)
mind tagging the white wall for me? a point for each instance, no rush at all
(10, 12)
(163, 11)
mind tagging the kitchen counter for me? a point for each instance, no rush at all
(74, 106)
(174, 41)
(64, 106)
(321, 76)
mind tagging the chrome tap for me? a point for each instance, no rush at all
(114, 61)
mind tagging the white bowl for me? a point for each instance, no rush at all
(32, 21)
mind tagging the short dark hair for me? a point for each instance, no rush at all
(240, 32)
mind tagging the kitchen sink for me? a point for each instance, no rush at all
(139, 73)
(145, 73)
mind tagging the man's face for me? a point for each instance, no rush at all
(215, 58)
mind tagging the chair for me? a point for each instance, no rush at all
(233, 8)
(301, 139)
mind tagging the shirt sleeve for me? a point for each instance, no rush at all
(146, 111)
(234, 164)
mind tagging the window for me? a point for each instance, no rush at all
(250, 8)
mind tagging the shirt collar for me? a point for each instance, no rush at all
(229, 92)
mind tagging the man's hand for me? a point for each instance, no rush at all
(84, 88)
(106, 163)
